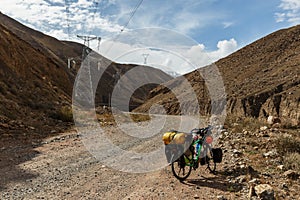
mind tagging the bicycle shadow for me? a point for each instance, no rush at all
(217, 182)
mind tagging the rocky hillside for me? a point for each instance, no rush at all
(33, 84)
(36, 84)
(260, 79)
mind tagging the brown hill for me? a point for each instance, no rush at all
(260, 79)
(36, 85)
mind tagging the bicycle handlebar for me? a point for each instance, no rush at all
(202, 131)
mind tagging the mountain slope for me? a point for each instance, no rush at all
(260, 79)
(36, 84)
(31, 83)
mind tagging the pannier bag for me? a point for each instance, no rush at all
(217, 155)
(174, 137)
(176, 143)
(173, 152)
(203, 160)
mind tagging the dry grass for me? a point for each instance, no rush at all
(65, 114)
(111, 119)
(289, 149)
(237, 124)
(140, 117)
(287, 145)
(292, 161)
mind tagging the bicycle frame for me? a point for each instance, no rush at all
(195, 156)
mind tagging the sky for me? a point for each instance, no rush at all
(177, 35)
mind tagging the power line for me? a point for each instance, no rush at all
(126, 24)
(94, 9)
(96, 4)
(132, 14)
(67, 5)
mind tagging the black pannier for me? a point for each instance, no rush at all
(217, 155)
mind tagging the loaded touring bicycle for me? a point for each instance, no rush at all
(185, 151)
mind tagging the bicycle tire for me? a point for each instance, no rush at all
(179, 167)
(211, 165)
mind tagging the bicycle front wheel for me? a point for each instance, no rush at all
(180, 169)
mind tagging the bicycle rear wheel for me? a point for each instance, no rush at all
(180, 169)
(211, 165)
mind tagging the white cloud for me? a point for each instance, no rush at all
(58, 1)
(280, 17)
(177, 52)
(200, 57)
(58, 34)
(290, 4)
(290, 12)
(111, 16)
(182, 59)
(52, 18)
(225, 47)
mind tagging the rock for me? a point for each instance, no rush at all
(280, 167)
(284, 186)
(263, 128)
(196, 196)
(235, 124)
(273, 120)
(272, 153)
(254, 181)
(237, 152)
(4, 125)
(291, 174)
(256, 148)
(221, 197)
(251, 192)
(136, 158)
(264, 192)
(241, 179)
(276, 125)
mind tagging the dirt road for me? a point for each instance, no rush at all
(60, 167)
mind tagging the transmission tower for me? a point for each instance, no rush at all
(145, 55)
(85, 52)
(86, 43)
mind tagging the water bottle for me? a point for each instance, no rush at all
(197, 148)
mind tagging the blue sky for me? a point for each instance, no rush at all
(220, 27)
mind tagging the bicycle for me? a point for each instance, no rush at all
(182, 166)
